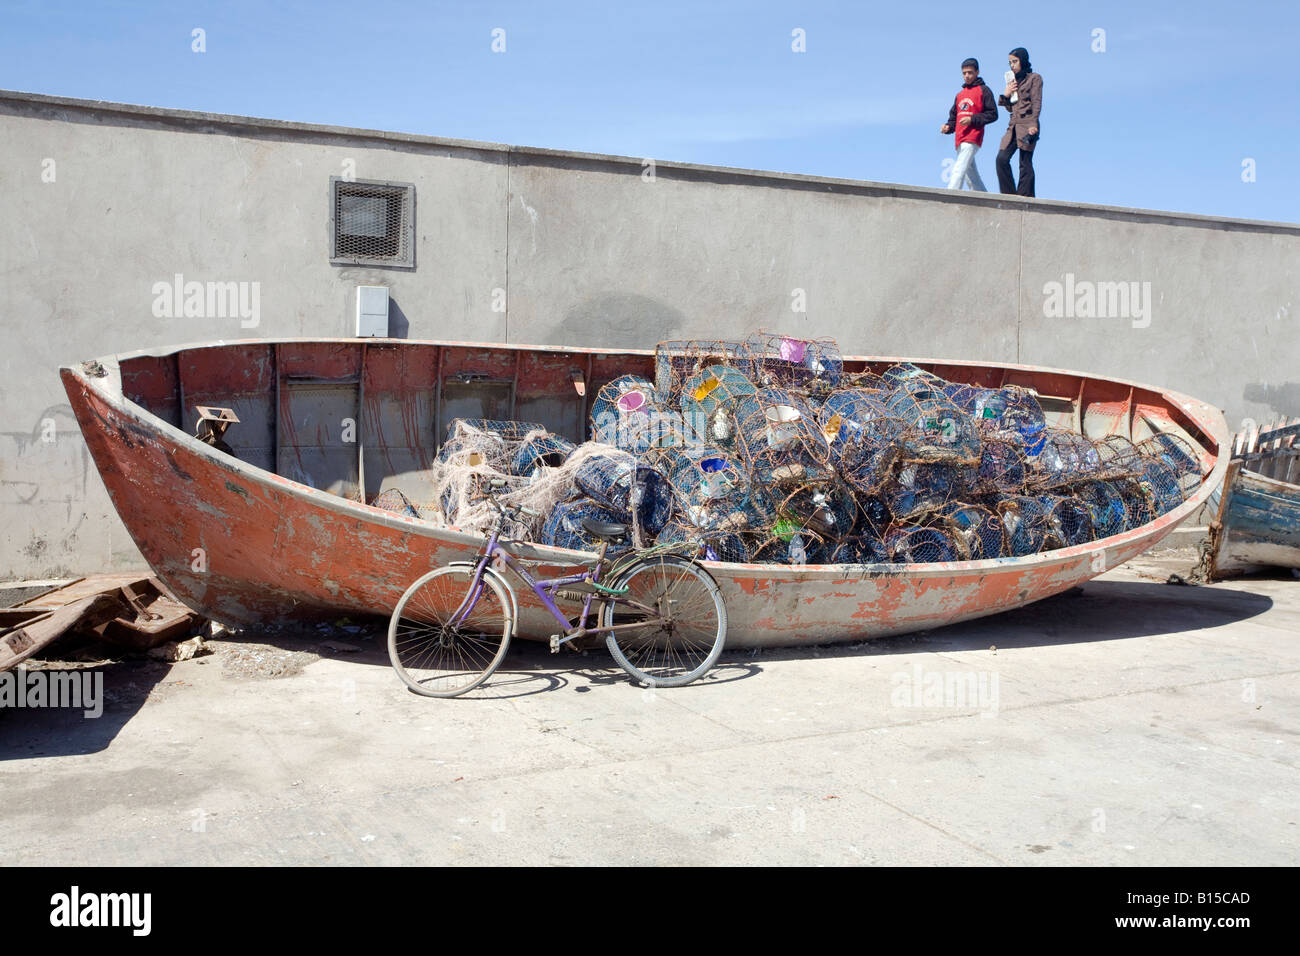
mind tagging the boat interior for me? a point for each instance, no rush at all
(355, 417)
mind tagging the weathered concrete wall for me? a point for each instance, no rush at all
(101, 201)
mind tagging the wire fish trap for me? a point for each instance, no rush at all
(393, 500)
(1065, 458)
(712, 488)
(827, 510)
(976, 529)
(780, 441)
(844, 413)
(920, 487)
(874, 518)
(1106, 508)
(867, 456)
(905, 372)
(1178, 455)
(1069, 519)
(1025, 525)
(1119, 457)
(1003, 468)
(795, 548)
(481, 441)
(866, 379)
(776, 360)
(861, 549)
(921, 544)
(718, 545)
(538, 451)
(678, 361)
(1139, 503)
(1162, 484)
(618, 400)
(1014, 412)
(938, 431)
(563, 527)
(711, 400)
(621, 483)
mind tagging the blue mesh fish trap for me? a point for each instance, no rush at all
(867, 456)
(861, 549)
(711, 401)
(905, 373)
(563, 527)
(874, 518)
(1119, 457)
(618, 481)
(1106, 508)
(919, 487)
(827, 510)
(677, 361)
(1023, 416)
(783, 361)
(921, 544)
(867, 380)
(619, 401)
(1002, 468)
(1065, 458)
(1176, 454)
(1025, 525)
(1162, 484)
(797, 548)
(540, 451)
(844, 413)
(718, 545)
(976, 529)
(780, 441)
(712, 488)
(482, 441)
(1138, 501)
(1069, 520)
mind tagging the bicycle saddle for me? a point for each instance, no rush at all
(604, 529)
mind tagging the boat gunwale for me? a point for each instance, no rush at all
(1201, 413)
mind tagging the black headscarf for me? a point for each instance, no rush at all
(1023, 56)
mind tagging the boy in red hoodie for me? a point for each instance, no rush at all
(973, 108)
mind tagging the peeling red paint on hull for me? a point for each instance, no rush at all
(245, 545)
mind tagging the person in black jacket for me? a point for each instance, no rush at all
(1024, 100)
(972, 110)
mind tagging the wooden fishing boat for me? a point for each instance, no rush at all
(1257, 511)
(279, 531)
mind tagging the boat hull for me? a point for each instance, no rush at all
(246, 546)
(1258, 524)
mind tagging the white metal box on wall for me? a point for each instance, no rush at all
(372, 311)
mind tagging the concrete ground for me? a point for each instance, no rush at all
(1133, 722)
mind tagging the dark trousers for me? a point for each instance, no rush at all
(1005, 183)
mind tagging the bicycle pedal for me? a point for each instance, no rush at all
(555, 643)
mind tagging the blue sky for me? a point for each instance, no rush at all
(1163, 119)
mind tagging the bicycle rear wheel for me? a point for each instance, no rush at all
(685, 621)
(439, 653)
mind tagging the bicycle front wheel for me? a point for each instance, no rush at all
(439, 648)
(681, 616)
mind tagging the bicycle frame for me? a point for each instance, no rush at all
(543, 589)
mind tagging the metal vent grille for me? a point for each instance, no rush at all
(372, 222)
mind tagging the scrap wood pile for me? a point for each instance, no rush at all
(767, 451)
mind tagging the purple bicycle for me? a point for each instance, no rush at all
(662, 615)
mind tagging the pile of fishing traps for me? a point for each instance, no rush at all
(766, 450)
